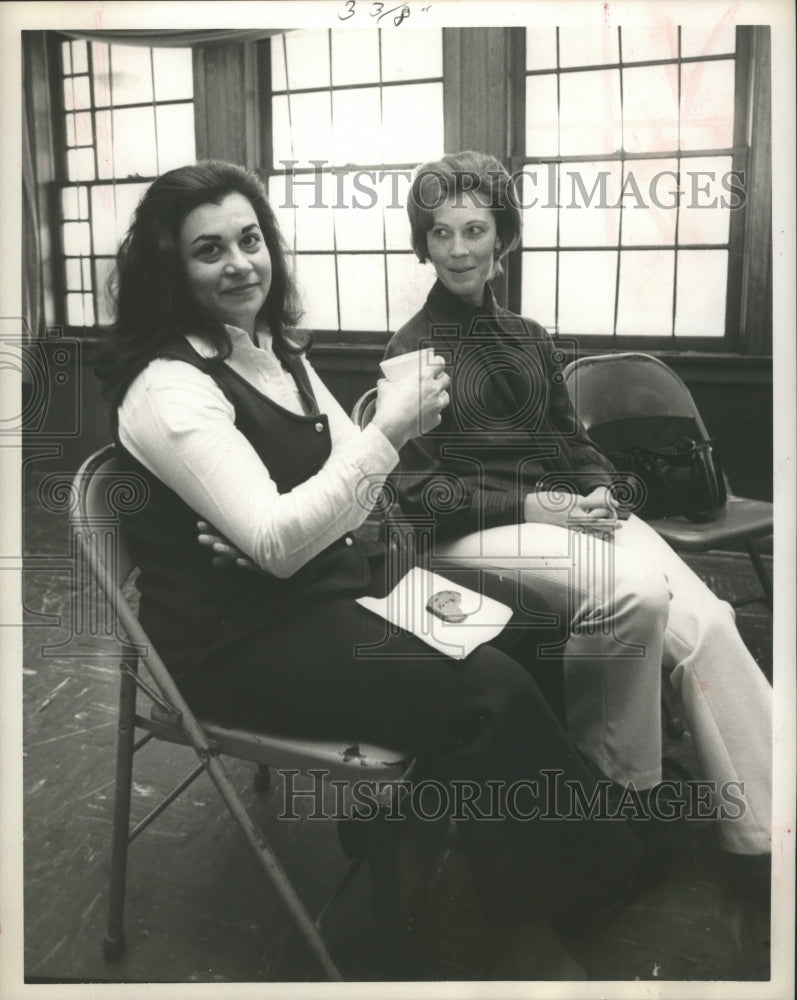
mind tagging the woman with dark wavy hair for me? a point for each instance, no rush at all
(526, 482)
(218, 409)
(154, 303)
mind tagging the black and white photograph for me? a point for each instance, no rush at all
(398, 502)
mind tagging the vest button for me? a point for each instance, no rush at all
(349, 540)
(319, 427)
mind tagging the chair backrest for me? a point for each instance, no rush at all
(631, 399)
(364, 408)
(102, 492)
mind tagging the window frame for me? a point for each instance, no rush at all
(60, 150)
(748, 330)
(267, 169)
(752, 90)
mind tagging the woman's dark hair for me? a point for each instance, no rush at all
(456, 174)
(154, 305)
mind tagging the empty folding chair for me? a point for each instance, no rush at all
(634, 399)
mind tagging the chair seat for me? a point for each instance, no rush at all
(739, 520)
(340, 757)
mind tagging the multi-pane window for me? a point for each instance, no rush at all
(127, 116)
(352, 112)
(629, 147)
(629, 182)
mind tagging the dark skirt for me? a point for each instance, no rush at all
(334, 670)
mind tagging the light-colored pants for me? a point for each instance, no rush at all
(634, 606)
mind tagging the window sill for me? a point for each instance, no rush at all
(700, 366)
(363, 351)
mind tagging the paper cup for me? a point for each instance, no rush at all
(407, 364)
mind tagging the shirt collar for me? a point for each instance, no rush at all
(240, 340)
(448, 306)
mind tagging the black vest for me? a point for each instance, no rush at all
(193, 612)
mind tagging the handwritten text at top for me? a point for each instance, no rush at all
(377, 10)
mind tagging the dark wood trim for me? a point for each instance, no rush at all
(224, 81)
(709, 367)
(348, 357)
(649, 344)
(477, 95)
(251, 107)
(262, 103)
(200, 116)
(702, 367)
(231, 111)
(736, 229)
(56, 153)
(755, 314)
(42, 71)
(476, 89)
(516, 144)
(452, 93)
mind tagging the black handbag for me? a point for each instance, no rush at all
(684, 478)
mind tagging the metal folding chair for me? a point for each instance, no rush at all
(364, 408)
(635, 399)
(98, 489)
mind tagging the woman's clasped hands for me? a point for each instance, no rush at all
(597, 510)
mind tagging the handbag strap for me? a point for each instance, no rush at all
(682, 452)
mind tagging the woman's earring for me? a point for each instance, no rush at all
(497, 250)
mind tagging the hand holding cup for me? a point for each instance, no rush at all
(411, 396)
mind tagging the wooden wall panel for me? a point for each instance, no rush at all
(227, 102)
(476, 82)
(477, 92)
(755, 321)
(42, 282)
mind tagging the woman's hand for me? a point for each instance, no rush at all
(598, 509)
(599, 503)
(412, 405)
(225, 555)
(544, 507)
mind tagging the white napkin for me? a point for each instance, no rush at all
(405, 606)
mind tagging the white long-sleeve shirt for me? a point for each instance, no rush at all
(179, 424)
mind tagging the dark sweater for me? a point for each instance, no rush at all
(510, 427)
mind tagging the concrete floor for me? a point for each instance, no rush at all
(198, 909)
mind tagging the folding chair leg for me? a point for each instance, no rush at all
(276, 875)
(761, 570)
(262, 779)
(114, 944)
